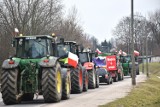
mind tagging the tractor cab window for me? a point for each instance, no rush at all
(83, 57)
(126, 59)
(62, 50)
(73, 49)
(31, 48)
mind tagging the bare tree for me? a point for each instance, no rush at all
(31, 17)
(70, 29)
(155, 25)
(122, 33)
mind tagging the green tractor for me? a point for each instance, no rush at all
(79, 76)
(33, 70)
(127, 64)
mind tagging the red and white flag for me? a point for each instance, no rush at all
(124, 53)
(136, 53)
(120, 52)
(72, 59)
(16, 30)
(98, 51)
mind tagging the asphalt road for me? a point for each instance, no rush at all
(94, 97)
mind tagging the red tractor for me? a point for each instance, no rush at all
(114, 67)
(86, 61)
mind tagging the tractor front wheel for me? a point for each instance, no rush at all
(97, 79)
(52, 84)
(10, 82)
(66, 86)
(85, 80)
(76, 80)
(92, 79)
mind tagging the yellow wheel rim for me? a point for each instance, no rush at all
(59, 82)
(68, 86)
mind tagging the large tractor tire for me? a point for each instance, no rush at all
(10, 82)
(115, 79)
(52, 84)
(123, 76)
(120, 76)
(76, 80)
(97, 79)
(110, 80)
(66, 86)
(85, 80)
(92, 79)
(28, 97)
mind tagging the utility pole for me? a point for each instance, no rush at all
(133, 59)
(147, 57)
(143, 56)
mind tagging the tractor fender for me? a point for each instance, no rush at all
(51, 62)
(88, 65)
(6, 64)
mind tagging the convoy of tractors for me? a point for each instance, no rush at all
(55, 69)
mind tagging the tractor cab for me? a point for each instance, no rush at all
(33, 47)
(84, 57)
(125, 59)
(92, 55)
(64, 47)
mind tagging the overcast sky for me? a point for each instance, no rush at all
(99, 17)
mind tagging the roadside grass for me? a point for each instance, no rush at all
(146, 94)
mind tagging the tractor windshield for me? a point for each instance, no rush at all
(31, 48)
(63, 50)
(83, 57)
(127, 59)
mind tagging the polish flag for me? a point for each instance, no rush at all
(120, 52)
(136, 53)
(16, 30)
(72, 59)
(98, 51)
(124, 54)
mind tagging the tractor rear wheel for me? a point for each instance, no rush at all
(85, 80)
(76, 80)
(92, 79)
(52, 84)
(10, 82)
(111, 80)
(123, 76)
(115, 79)
(66, 87)
(28, 97)
(119, 76)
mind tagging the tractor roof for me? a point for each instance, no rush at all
(70, 42)
(35, 36)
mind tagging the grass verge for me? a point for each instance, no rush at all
(145, 94)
